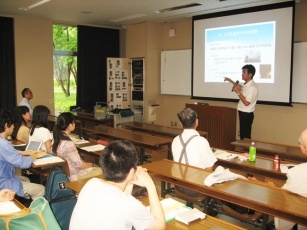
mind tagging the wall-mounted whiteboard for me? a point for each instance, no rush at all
(299, 77)
(176, 72)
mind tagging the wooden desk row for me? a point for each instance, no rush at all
(268, 200)
(263, 167)
(207, 223)
(154, 129)
(285, 152)
(142, 140)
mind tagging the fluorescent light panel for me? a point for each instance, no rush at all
(34, 5)
(178, 7)
(129, 17)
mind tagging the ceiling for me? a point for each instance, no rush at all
(119, 13)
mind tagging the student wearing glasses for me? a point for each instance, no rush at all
(64, 147)
(27, 95)
(296, 183)
(191, 148)
(10, 159)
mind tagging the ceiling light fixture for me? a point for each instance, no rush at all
(128, 17)
(34, 5)
(178, 7)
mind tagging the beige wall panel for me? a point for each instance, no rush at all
(34, 62)
(136, 40)
(300, 32)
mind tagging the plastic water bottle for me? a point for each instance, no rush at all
(252, 152)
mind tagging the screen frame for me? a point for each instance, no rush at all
(243, 11)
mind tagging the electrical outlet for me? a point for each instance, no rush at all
(175, 123)
(172, 123)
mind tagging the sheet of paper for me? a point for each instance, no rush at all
(94, 148)
(8, 207)
(78, 141)
(190, 216)
(224, 155)
(285, 167)
(47, 160)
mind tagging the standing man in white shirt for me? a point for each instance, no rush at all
(27, 95)
(248, 95)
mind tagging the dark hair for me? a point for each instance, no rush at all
(117, 159)
(187, 118)
(24, 91)
(39, 118)
(19, 120)
(6, 117)
(63, 121)
(250, 69)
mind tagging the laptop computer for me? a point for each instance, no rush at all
(34, 146)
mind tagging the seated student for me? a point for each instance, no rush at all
(191, 148)
(22, 118)
(39, 127)
(11, 158)
(296, 183)
(64, 147)
(107, 203)
(6, 195)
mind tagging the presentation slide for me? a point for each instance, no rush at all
(226, 41)
(228, 47)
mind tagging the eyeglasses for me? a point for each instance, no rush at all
(300, 143)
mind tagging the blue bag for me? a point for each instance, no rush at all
(62, 200)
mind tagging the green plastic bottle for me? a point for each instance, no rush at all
(252, 152)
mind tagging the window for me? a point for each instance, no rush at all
(64, 67)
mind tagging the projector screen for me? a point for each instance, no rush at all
(226, 41)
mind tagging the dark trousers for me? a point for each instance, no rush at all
(246, 121)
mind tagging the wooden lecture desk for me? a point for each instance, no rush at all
(262, 167)
(142, 140)
(285, 152)
(88, 119)
(154, 129)
(272, 201)
(43, 169)
(207, 223)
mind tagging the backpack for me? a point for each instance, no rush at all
(62, 200)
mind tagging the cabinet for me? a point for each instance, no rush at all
(126, 85)
(219, 122)
(118, 83)
(137, 87)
